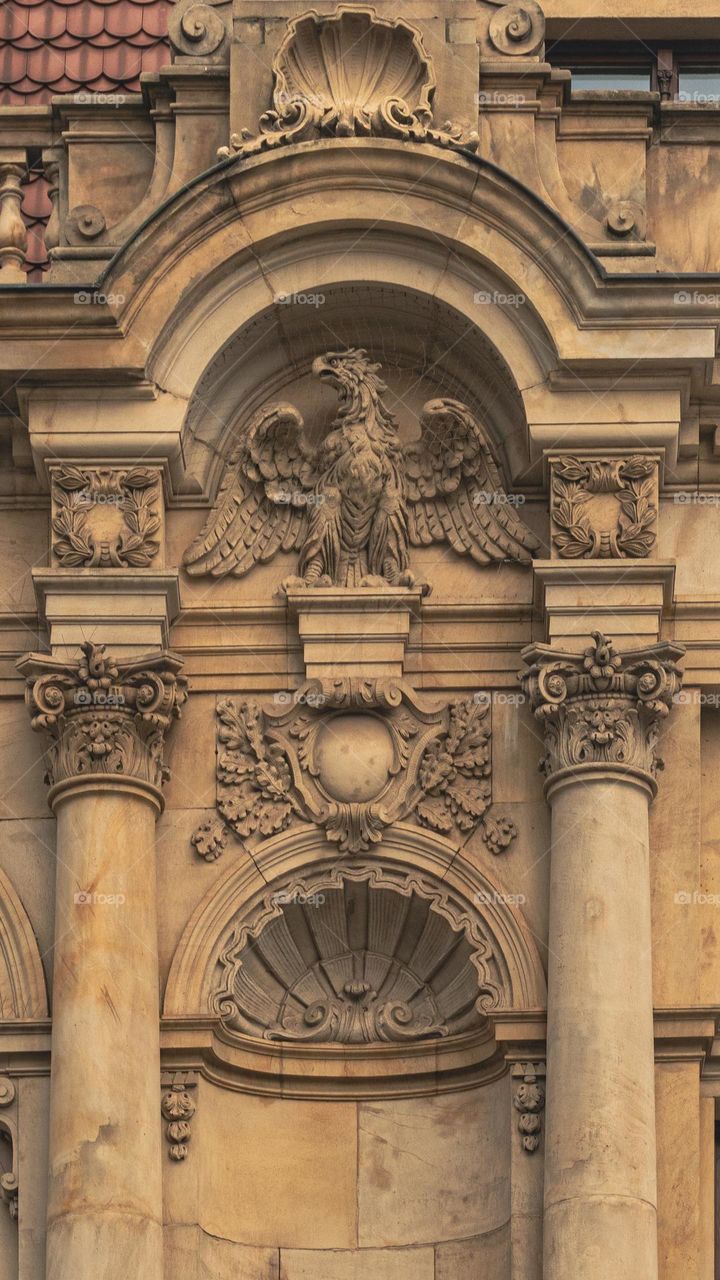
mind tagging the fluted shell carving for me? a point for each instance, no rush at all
(350, 73)
(357, 958)
(351, 64)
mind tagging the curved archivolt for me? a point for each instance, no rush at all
(22, 980)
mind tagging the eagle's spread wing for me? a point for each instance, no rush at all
(261, 505)
(455, 492)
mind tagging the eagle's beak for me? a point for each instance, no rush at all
(321, 369)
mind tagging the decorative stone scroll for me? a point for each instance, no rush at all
(603, 507)
(104, 716)
(9, 1184)
(105, 517)
(346, 74)
(529, 1101)
(354, 756)
(357, 955)
(602, 708)
(517, 30)
(178, 1108)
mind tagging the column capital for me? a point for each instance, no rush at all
(601, 710)
(107, 718)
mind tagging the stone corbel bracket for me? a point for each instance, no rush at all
(9, 1185)
(387, 77)
(354, 756)
(529, 1102)
(178, 1106)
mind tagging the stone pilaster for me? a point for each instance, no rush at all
(107, 722)
(602, 714)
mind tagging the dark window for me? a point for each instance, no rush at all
(685, 73)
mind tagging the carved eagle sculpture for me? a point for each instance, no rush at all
(353, 506)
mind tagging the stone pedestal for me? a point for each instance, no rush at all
(132, 609)
(361, 633)
(602, 715)
(107, 723)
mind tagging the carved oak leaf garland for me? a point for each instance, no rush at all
(440, 772)
(454, 778)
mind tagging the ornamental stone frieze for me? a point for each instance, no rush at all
(354, 756)
(602, 709)
(603, 507)
(106, 718)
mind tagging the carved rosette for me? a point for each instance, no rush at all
(105, 517)
(602, 709)
(354, 756)
(106, 718)
(347, 74)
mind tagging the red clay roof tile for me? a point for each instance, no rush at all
(61, 46)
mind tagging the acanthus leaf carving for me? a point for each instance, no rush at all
(178, 1107)
(354, 756)
(353, 507)
(385, 86)
(104, 716)
(602, 707)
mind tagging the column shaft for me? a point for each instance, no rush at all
(105, 1192)
(600, 1180)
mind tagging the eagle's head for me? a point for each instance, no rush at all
(348, 371)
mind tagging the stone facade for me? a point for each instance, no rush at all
(360, 620)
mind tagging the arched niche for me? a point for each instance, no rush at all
(425, 347)
(302, 974)
(23, 991)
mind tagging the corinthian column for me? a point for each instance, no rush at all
(107, 722)
(602, 714)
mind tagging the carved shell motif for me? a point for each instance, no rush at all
(350, 65)
(355, 962)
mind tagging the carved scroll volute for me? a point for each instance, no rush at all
(516, 30)
(106, 719)
(602, 710)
